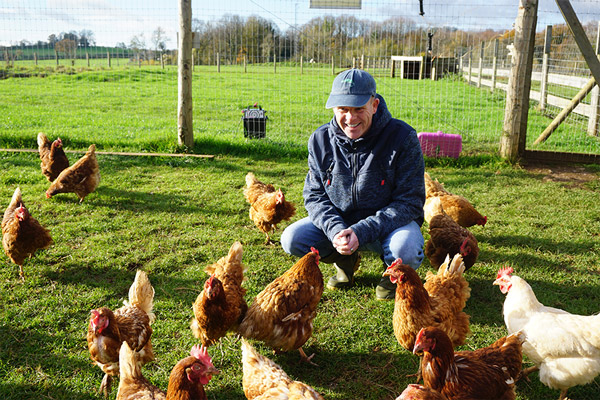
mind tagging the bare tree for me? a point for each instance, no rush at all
(159, 40)
(138, 44)
(66, 46)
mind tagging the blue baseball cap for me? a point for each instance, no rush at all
(351, 88)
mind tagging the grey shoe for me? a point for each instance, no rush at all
(345, 269)
(385, 290)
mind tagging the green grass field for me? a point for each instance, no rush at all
(174, 216)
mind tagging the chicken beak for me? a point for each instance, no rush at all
(418, 350)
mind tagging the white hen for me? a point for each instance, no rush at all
(565, 347)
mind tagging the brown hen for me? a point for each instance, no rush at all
(81, 178)
(186, 381)
(268, 206)
(419, 392)
(447, 237)
(488, 373)
(221, 306)
(282, 314)
(108, 329)
(439, 302)
(52, 156)
(264, 379)
(22, 235)
(457, 207)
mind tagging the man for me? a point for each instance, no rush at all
(364, 189)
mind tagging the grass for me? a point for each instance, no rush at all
(173, 216)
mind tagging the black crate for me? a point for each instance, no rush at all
(255, 122)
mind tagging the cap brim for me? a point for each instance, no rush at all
(347, 100)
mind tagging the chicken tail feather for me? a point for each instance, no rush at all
(129, 368)
(141, 294)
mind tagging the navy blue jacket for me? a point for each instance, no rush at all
(373, 184)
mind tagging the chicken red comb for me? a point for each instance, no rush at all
(420, 335)
(314, 250)
(201, 353)
(396, 262)
(504, 271)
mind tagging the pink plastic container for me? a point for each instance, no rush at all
(440, 144)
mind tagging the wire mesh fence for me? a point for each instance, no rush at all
(450, 71)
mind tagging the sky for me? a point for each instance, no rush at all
(114, 21)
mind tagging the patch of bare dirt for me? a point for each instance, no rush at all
(572, 176)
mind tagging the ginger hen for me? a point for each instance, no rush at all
(52, 156)
(419, 392)
(22, 235)
(564, 347)
(108, 329)
(186, 381)
(439, 302)
(282, 314)
(263, 379)
(268, 206)
(457, 207)
(487, 373)
(447, 237)
(81, 178)
(221, 306)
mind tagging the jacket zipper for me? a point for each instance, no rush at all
(354, 175)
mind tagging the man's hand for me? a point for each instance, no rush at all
(345, 242)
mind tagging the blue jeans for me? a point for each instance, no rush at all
(405, 242)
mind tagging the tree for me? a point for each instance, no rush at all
(159, 40)
(138, 44)
(86, 38)
(52, 39)
(66, 46)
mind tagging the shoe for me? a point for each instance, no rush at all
(345, 269)
(385, 290)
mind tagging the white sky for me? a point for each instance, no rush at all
(118, 21)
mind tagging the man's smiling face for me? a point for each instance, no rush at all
(356, 121)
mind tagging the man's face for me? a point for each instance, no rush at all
(356, 121)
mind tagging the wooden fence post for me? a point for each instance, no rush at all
(393, 69)
(480, 64)
(545, 68)
(185, 128)
(595, 97)
(245, 63)
(301, 65)
(332, 67)
(108, 58)
(274, 63)
(362, 61)
(218, 63)
(495, 63)
(56, 56)
(35, 57)
(512, 141)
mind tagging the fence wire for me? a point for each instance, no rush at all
(283, 54)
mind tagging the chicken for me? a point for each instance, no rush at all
(22, 235)
(268, 206)
(439, 302)
(564, 347)
(52, 156)
(221, 306)
(81, 178)
(457, 207)
(186, 382)
(447, 237)
(282, 314)
(107, 330)
(486, 373)
(419, 392)
(263, 379)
